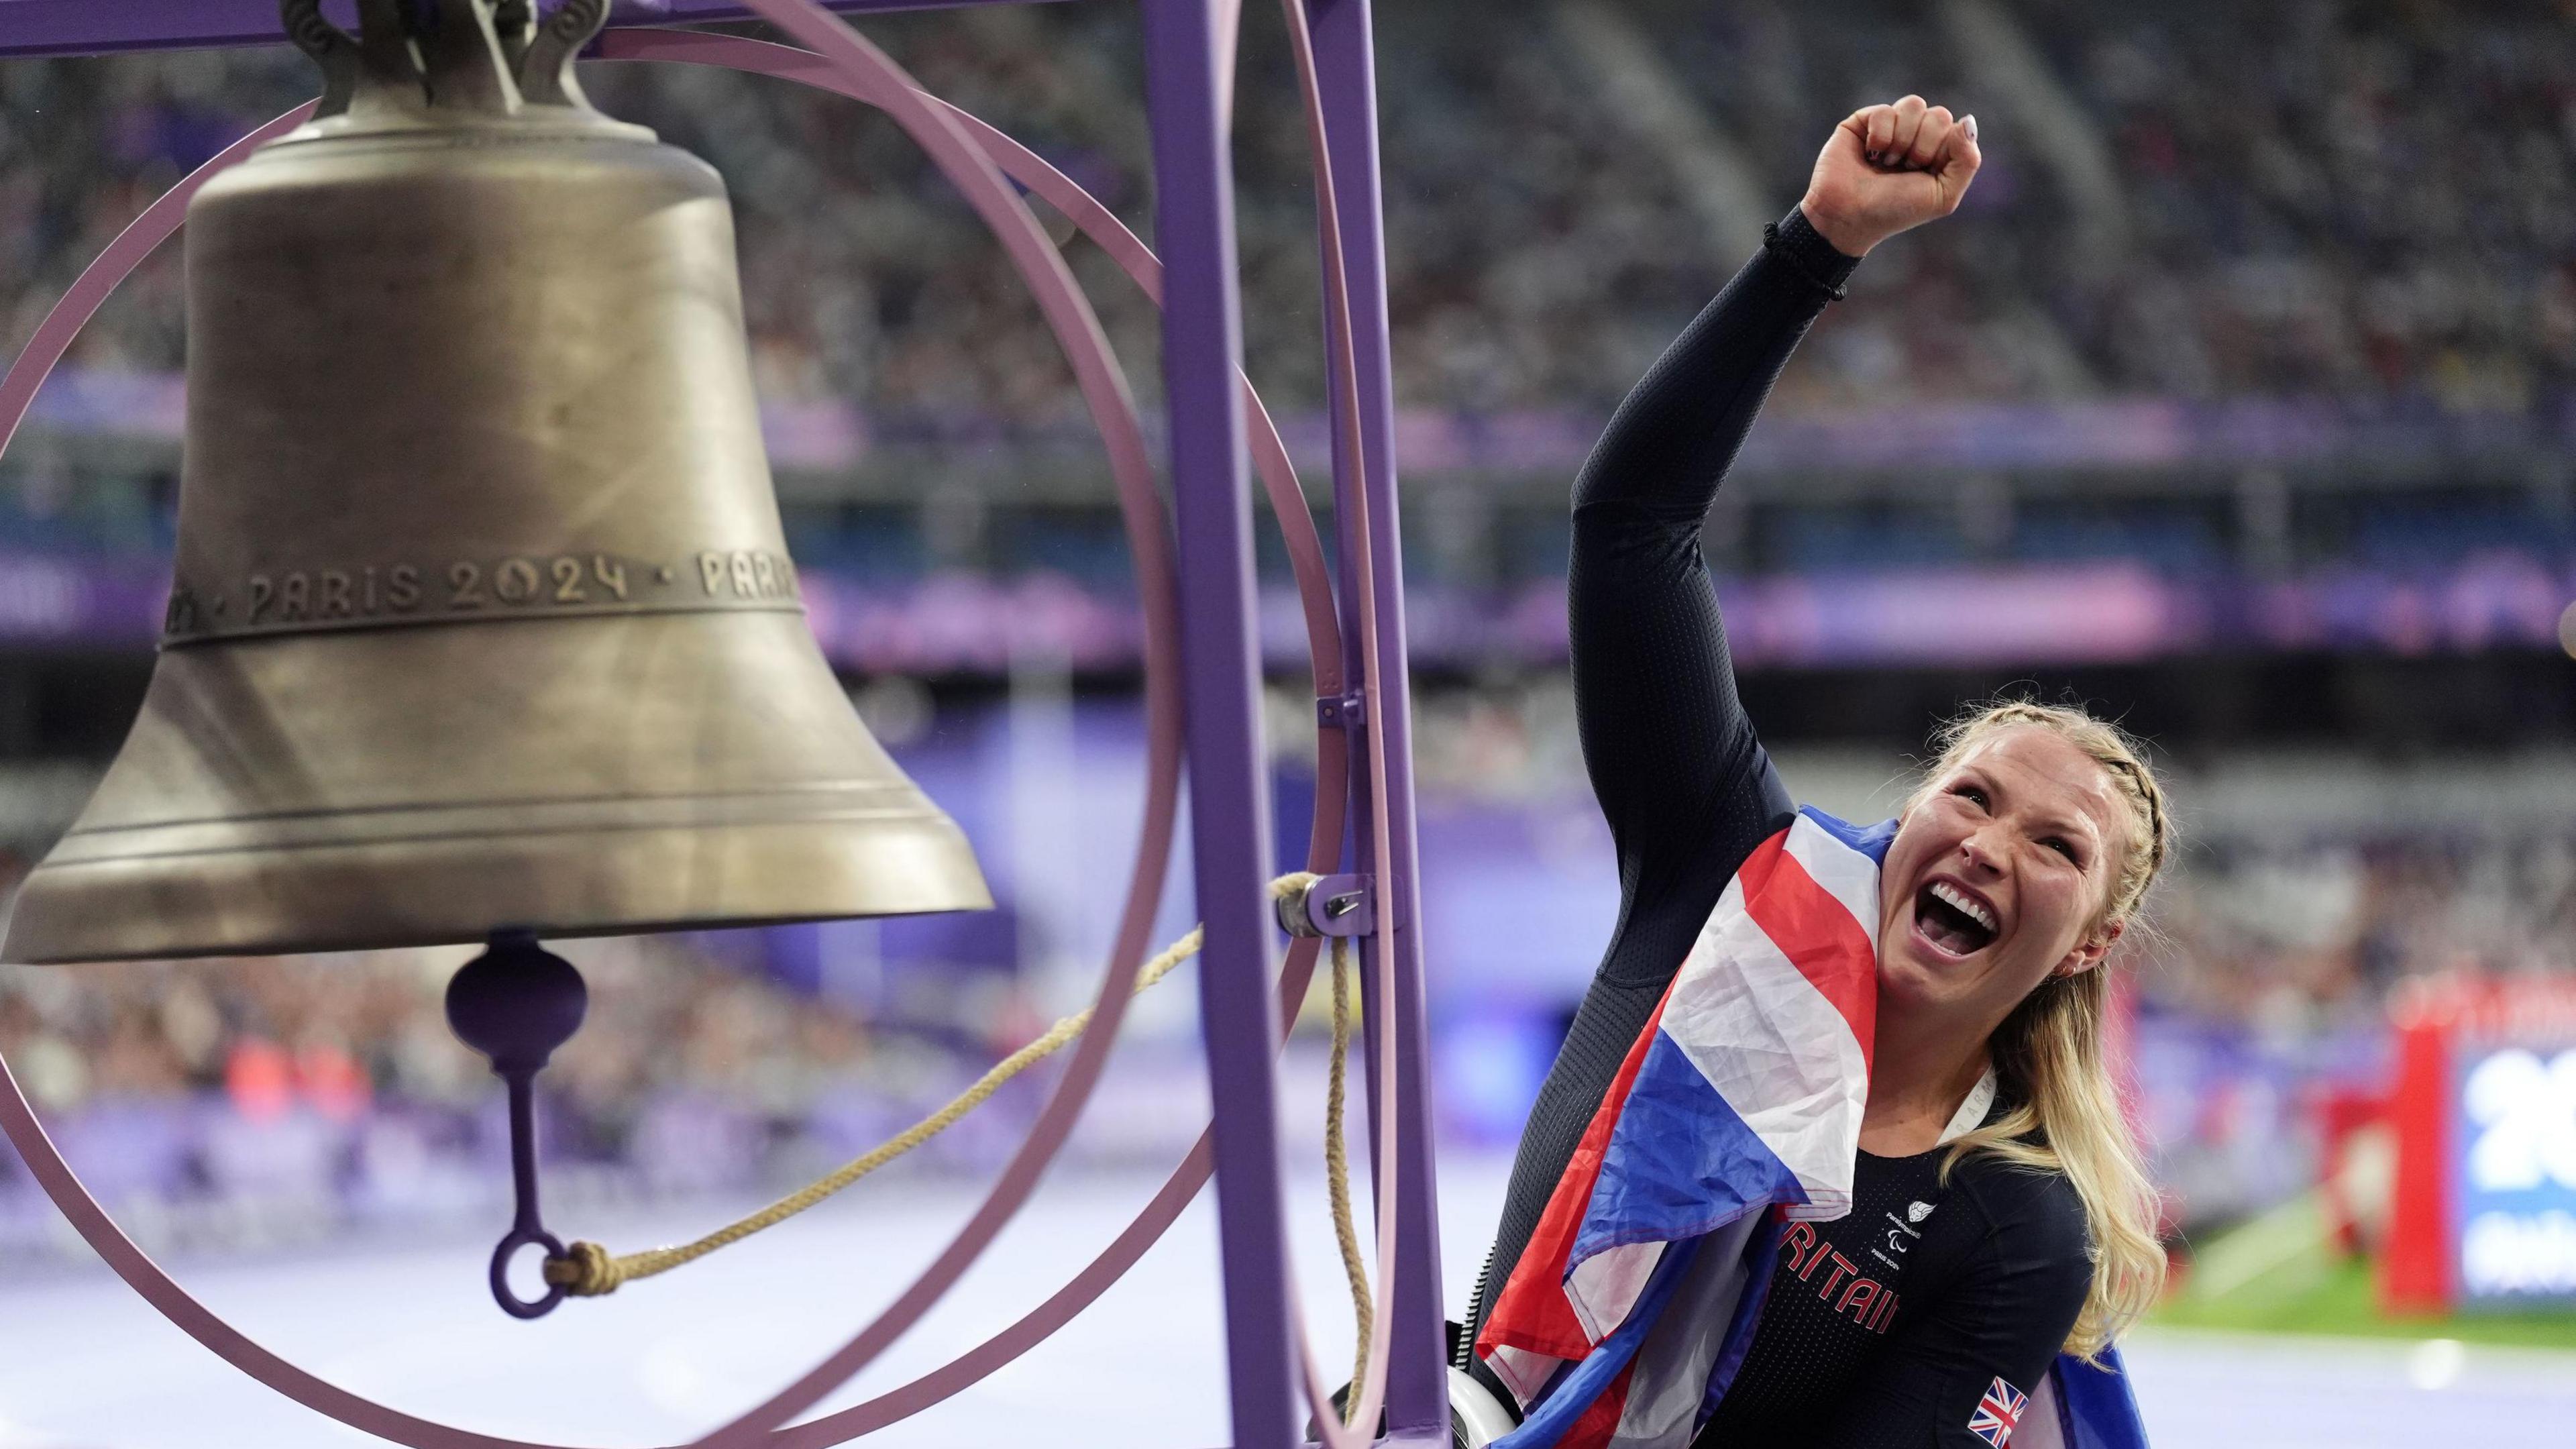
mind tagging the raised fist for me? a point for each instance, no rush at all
(1887, 168)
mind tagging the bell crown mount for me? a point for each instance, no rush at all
(431, 63)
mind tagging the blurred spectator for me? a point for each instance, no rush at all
(329, 1085)
(2297, 940)
(2368, 199)
(303, 1082)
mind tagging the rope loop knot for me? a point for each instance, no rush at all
(586, 1270)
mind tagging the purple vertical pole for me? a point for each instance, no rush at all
(1229, 806)
(1417, 1378)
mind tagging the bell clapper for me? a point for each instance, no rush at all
(515, 1004)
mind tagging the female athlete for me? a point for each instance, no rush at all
(1998, 1203)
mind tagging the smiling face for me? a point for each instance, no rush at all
(1999, 876)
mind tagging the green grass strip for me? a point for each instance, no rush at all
(2268, 1281)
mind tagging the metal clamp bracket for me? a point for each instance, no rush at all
(1335, 905)
(1348, 711)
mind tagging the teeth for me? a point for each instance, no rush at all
(1963, 903)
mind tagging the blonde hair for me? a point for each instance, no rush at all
(2047, 1054)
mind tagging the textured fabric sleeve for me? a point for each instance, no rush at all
(1681, 777)
(1996, 1326)
(1664, 734)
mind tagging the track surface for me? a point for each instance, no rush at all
(84, 1365)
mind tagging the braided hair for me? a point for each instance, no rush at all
(2065, 1115)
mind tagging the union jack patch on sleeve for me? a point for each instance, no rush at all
(1997, 1413)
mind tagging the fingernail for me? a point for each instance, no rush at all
(1968, 123)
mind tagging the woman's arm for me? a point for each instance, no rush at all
(1679, 772)
(1665, 736)
(1671, 754)
(1681, 777)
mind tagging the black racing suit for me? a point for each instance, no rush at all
(1888, 1326)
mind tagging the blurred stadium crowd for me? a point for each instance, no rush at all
(2362, 208)
(242, 1100)
(2203, 200)
(744, 1061)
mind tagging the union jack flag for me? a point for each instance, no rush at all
(1997, 1413)
(1737, 1109)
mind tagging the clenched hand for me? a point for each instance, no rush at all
(1888, 168)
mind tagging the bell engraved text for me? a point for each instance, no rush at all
(379, 595)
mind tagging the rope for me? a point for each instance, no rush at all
(588, 1270)
(1337, 1174)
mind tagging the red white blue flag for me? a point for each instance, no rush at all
(1738, 1107)
(1998, 1412)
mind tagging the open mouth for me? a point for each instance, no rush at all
(1952, 920)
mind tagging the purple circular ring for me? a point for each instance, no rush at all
(1306, 559)
(511, 1303)
(17, 391)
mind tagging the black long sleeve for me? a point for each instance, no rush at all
(1684, 782)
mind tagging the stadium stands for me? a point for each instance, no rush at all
(2257, 340)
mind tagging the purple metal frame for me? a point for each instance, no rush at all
(91, 27)
(1189, 53)
(1346, 65)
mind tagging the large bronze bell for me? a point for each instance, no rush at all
(483, 616)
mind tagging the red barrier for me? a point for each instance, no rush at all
(2484, 1106)
(2415, 1264)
